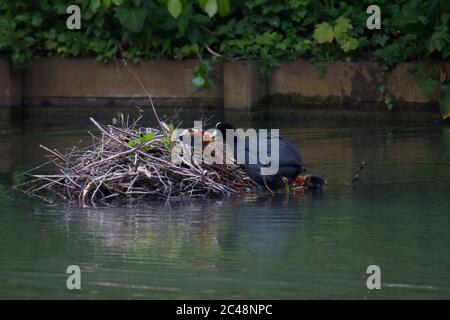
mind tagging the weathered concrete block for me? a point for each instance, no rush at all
(351, 81)
(405, 85)
(346, 87)
(243, 88)
(65, 81)
(343, 80)
(10, 85)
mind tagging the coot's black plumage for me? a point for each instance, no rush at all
(290, 161)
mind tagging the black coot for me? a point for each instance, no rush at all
(290, 161)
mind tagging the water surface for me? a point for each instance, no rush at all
(300, 246)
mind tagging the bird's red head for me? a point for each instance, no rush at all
(205, 135)
(309, 181)
(299, 181)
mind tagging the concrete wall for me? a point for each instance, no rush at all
(356, 81)
(243, 86)
(350, 81)
(10, 85)
(87, 82)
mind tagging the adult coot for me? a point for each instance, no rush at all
(290, 161)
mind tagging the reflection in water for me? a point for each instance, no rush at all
(129, 228)
(304, 245)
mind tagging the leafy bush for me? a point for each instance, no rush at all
(270, 31)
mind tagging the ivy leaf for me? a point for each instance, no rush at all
(428, 86)
(380, 39)
(199, 82)
(51, 45)
(349, 43)
(36, 21)
(323, 32)
(118, 2)
(389, 103)
(95, 4)
(132, 18)
(342, 25)
(438, 39)
(223, 7)
(209, 6)
(106, 4)
(174, 7)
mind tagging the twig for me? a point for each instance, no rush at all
(145, 91)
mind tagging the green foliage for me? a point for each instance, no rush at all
(141, 140)
(224, 7)
(270, 31)
(174, 7)
(429, 85)
(325, 33)
(428, 76)
(202, 78)
(415, 31)
(321, 67)
(209, 6)
(132, 17)
(167, 143)
(388, 102)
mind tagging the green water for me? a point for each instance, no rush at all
(297, 247)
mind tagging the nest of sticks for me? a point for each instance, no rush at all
(113, 169)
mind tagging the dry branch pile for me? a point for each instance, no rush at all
(113, 169)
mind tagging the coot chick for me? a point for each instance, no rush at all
(309, 182)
